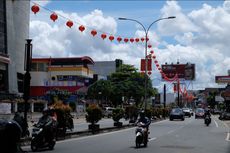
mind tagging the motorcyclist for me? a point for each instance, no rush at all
(207, 114)
(145, 121)
(47, 123)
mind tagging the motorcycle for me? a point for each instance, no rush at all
(207, 120)
(141, 135)
(39, 139)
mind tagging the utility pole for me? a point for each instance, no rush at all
(27, 77)
(164, 99)
(178, 93)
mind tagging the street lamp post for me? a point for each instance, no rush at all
(27, 77)
(146, 40)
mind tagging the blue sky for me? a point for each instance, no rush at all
(199, 34)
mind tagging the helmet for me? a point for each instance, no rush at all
(45, 111)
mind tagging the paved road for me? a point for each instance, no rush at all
(189, 136)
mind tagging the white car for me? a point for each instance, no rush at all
(108, 111)
(187, 112)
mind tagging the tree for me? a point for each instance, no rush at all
(211, 99)
(129, 83)
(101, 89)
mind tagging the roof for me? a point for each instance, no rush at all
(65, 60)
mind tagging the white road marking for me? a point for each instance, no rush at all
(171, 131)
(154, 138)
(216, 124)
(228, 133)
(228, 136)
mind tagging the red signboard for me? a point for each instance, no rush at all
(183, 71)
(222, 79)
(149, 66)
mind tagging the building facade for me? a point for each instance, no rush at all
(14, 30)
(69, 74)
(105, 68)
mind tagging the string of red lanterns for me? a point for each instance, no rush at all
(54, 16)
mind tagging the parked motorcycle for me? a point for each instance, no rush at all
(141, 135)
(207, 120)
(42, 139)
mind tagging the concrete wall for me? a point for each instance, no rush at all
(103, 68)
(17, 15)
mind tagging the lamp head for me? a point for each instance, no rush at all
(122, 18)
(171, 17)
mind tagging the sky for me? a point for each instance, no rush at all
(199, 34)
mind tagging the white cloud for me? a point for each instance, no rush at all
(180, 24)
(202, 37)
(41, 2)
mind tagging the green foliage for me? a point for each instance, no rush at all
(118, 113)
(211, 99)
(131, 111)
(72, 105)
(62, 112)
(126, 82)
(104, 87)
(94, 113)
(148, 113)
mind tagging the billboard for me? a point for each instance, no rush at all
(184, 71)
(222, 79)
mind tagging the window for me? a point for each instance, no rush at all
(42, 67)
(34, 67)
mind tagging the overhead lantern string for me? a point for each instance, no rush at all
(70, 23)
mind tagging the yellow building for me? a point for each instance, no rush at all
(69, 74)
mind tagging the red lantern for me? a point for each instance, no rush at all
(159, 69)
(93, 32)
(111, 38)
(35, 8)
(53, 17)
(156, 61)
(149, 72)
(69, 23)
(126, 40)
(142, 39)
(149, 46)
(103, 36)
(154, 57)
(151, 51)
(157, 65)
(119, 39)
(81, 28)
(147, 39)
(131, 40)
(137, 39)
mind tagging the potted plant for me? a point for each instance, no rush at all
(117, 114)
(94, 114)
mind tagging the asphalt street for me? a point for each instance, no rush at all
(189, 136)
